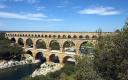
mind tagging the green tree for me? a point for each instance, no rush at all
(85, 69)
(111, 58)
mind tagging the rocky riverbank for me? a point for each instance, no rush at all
(46, 68)
(11, 63)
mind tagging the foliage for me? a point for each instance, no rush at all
(9, 50)
(85, 69)
(111, 58)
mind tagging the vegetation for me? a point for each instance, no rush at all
(9, 50)
(111, 58)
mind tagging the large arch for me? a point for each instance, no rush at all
(40, 44)
(68, 60)
(69, 46)
(21, 42)
(13, 40)
(29, 43)
(40, 56)
(54, 58)
(86, 48)
(54, 45)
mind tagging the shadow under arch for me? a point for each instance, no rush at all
(40, 56)
(29, 52)
(68, 60)
(54, 45)
(54, 58)
(69, 46)
(86, 48)
(20, 42)
(29, 43)
(40, 44)
(13, 40)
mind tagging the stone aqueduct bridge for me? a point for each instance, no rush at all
(77, 38)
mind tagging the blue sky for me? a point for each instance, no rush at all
(62, 15)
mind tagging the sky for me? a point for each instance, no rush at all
(63, 15)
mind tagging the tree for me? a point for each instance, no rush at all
(85, 69)
(111, 58)
(7, 51)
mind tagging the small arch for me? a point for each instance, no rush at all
(64, 36)
(35, 35)
(26, 35)
(13, 40)
(80, 36)
(29, 35)
(49, 36)
(54, 36)
(46, 36)
(87, 36)
(38, 35)
(54, 58)
(69, 36)
(94, 36)
(74, 36)
(59, 36)
(42, 36)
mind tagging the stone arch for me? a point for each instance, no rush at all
(42, 35)
(35, 35)
(74, 36)
(54, 45)
(21, 42)
(80, 36)
(29, 43)
(13, 40)
(54, 36)
(46, 36)
(94, 36)
(40, 44)
(38, 35)
(54, 58)
(29, 52)
(40, 56)
(86, 47)
(87, 36)
(69, 36)
(69, 46)
(59, 36)
(64, 36)
(49, 36)
(26, 35)
(68, 60)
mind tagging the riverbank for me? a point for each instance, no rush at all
(46, 68)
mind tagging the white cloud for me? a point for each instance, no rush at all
(28, 16)
(56, 20)
(99, 11)
(40, 8)
(25, 16)
(2, 6)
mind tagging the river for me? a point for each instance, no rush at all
(17, 72)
